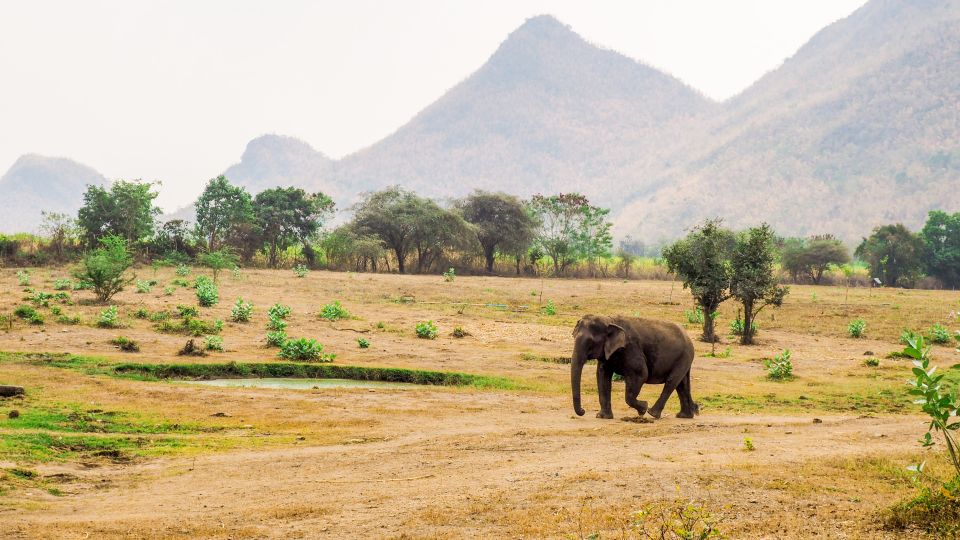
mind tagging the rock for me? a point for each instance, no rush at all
(10, 391)
(868, 353)
(221, 415)
(13, 414)
(817, 421)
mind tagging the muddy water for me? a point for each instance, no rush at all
(300, 384)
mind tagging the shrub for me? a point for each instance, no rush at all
(55, 311)
(549, 308)
(109, 318)
(67, 319)
(190, 349)
(736, 327)
(144, 286)
(182, 270)
(935, 511)
(941, 406)
(695, 316)
(459, 332)
(872, 362)
(939, 334)
(180, 283)
(334, 311)
(236, 272)
(213, 343)
(168, 290)
(304, 350)
(780, 367)
(125, 344)
(450, 275)
(62, 284)
(158, 316)
(23, 277)
(363, 343)
(207, 294)
(39, 298)
(142, 313)
(276, 324)
(857, 328)
(276, 339)
(427, 330)
(300, 270)
(907, 336)
(187, 311)
(105, 268)
(279, 311)
(24, 312)
(190, 326)
(241, 311)
(748, 444)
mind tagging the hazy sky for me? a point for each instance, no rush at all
(173, 90)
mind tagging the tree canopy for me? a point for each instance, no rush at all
(285, 216)
(501, 223)
(125, 209)
(752, 277)
(941, 235)
(570, 228)
(223, 210)
(895, 255)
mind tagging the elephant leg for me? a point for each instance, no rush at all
(669, 386)
(604, 384)
(688, 408)
(634, 384)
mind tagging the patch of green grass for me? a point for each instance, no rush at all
(41, 447)
(73, 418)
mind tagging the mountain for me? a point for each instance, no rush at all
(39, 183)
(275, 160)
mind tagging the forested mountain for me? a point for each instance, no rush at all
(39, 183)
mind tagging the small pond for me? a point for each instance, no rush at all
(299, 384)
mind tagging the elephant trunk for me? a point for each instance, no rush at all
(576, 369)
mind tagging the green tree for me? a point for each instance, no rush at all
(104, 268)
(502, 224)
(61, 230)
(126, 209)
(175, 240)
(812, 256)
(702, 262)
(224, 211)
(438, 230)
(941, 235)
(570, 229)
(752, 278)
(895, 255)
(217, 261)
(285, 216)
(389, 215)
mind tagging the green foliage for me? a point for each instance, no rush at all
(427, 330)
(279, 311)
(906, 336)
(812, 256)
(159, 316)
(55, 311)
(459, 332)
(288, 215)
(276, 323)
(62, 284)
(218, 260)
(363, 343)
(168, 290)
(450, 275)
(23, 278)
(549, 308)
(939, 334)
(39, 298)
(941, 406)
(187, 311)
(500, 222)
(181, 283)
(190, 325)
(752, 278)
(276, 338)
(124, 210)
(695, 316)
(941, 236)
(213, 343)
(182, 271)
(29, 315)
(145, 286)
(105, 268)
(895, 255)
(236, 273)
(67, 319)
(224, 212)
(736, 327)
(109, 318)
(935, 511)
(304, 350)
(857, 328)
(780, 367)
(207, 294)
(300, 270)
(334, 311)
(241, 311)
(871, 362)
(141, 313)
(125, 344)
(748, 444)
(571, 229)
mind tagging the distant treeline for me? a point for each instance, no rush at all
(395, 230)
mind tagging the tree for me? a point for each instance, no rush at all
(125, 209)
(437, 230)
(811, 257)
(217, 261)
(223, 210)
(390, 216)
(570, 229)
(752, 279)
(627, 258)
(502, 224)
(702, 261)
(941, 235)
(895, 255)
(105, 268)
(175, 240)
(285, 216)
(60, 229)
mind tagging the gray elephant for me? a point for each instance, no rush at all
(643, 351)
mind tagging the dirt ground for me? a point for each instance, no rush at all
(830, 445)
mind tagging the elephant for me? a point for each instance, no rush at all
(642, 351)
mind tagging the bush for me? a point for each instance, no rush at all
(276, 324)
(334, 311)
(857, 328)
(939, 334)
(67, 319)
(279, 311)
(190, 326)
(213, 343)
(871, 362)
(549, 308)
(241, 311)
(459, 332)
(300, 270)
(144, 286)
(62, 284)
(105, 268)
(158, 316)
(695, 316)
(29, 315)
(142, 313)
(363, 343)
(450, 275)
(736, 327)
(207, 294)
(748, 444)
(39, 298)
(304, 350)
(187, 311)
(125, 344)
(907, 336)
(55, 311)
(23, 277)
(180, 283)
(109, 318)
(168, 290)
(236, 273)
(182, 270)
(276, 339)
(427, 330)
(780, 368)
(191, 349)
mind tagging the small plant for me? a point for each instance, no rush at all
(24, 312)
(56, 311)
(236, 273)
(941, 406)
(301, 270)
(549, 308)
(125, 344)
(213, 343)
(279, 311)
(906, 336)
(241, 311)
(109, 318)
(363, 343)
(168, 290)
(142, 313)
(748, 444)
(23, 278)
(276, 338)
(180, 283)
(39, 298)
(857, 328)
(334, 311)
(67, 319)
(304, 350)
(105, 268)
(427, 330)
(459, 332)
(182, 271)
(159, 316)
(381, 325)
(871, 362)
(939, 334)
(727, 353)
(207, 294)
(780, 367)
(190, 349)
(450, 275)
(736, 327)
(187, 311)
(62, 284)
(144, 286)
(695, 316)
(276, 324)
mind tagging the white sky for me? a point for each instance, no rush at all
(173, 90)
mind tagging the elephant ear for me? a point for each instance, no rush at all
(616, 340)
(577, 328)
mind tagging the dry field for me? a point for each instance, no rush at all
(94, 455)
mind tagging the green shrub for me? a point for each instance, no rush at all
(182, 271)
(25, 312)
(109, 318)
(780, 367)
(939, 334)
(158, 316)
(62, 284)
(67, 319)
(241, 311)
(300, 270)
(187, 311)
(304, 350)
(56, 311)
(450, 275)
(181, 283)
(935, 510)
(276, 324)
(39, 298)
(276, 338)
(748, 444)
(168, 290)
(190, 326)
(125, 344)
(23, 277)
(695, 316)
(736, 327)
(142, 313)
(857, 328)
(144, 286)
(213, 343)
(105, 268)
(907, 336)
(363, 343)
(871, 362)
(236, 273)
(549, 308)
(334, 311)
(207, 294)
(459, 332)
(279, 311)
(427, 330)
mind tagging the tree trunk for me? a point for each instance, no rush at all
(747, 337)
(709, 325)
(400, 261)
(489, 253)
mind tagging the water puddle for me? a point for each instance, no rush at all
(300, 384)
